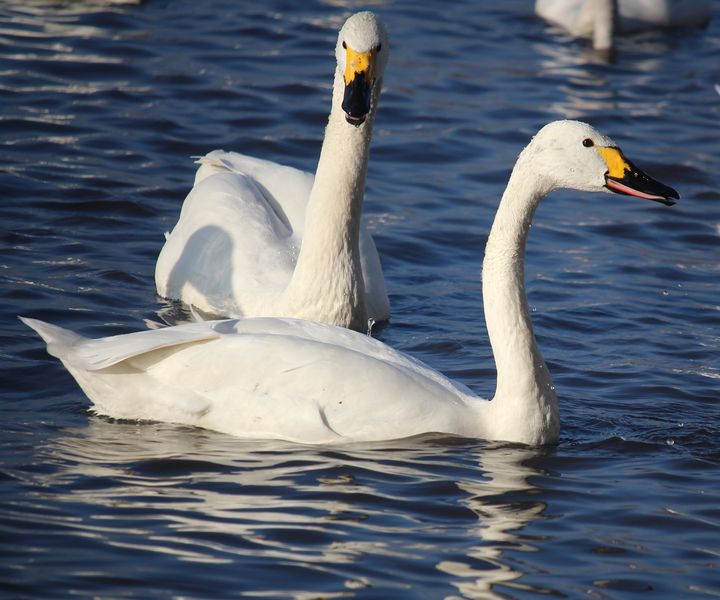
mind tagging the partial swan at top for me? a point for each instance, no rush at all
(601, 20)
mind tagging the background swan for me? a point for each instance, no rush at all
(255, 238)
(316, 383)
(600, 20)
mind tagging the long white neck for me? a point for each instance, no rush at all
(327, 284)
(524, 402)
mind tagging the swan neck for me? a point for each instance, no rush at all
(327, 283)
(524, 393)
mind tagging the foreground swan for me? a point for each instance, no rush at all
(255, 238)
(601, 19)
(316, 383)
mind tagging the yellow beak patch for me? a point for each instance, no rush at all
(617, 165)
(358, 62)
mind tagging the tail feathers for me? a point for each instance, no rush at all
(59, 341)
(211, 164)
(96, 354)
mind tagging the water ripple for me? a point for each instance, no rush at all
(106, 103)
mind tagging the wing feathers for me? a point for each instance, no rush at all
(93, 355)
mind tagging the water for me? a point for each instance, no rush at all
(101, 108)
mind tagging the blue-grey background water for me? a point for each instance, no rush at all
(102, 108)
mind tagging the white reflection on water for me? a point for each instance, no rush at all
(208, 498)
(581, 77)
(499, 521)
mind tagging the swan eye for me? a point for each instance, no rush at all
(344, 45)
(379, 47)
(587, 142)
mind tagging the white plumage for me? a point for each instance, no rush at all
(255, 238)
(601, 20)
(317, 383)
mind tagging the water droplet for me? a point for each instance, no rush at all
(371, 323)
(665, 293)
(670, 442)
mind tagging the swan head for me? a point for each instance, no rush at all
(574, 155)
(362, 52)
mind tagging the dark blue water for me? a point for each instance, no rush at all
(102, 107)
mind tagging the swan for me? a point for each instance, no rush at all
(255, 238)
(599, 19)
(316, 383)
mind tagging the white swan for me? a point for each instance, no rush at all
(317, 383)
(256, 238)
(600, 20)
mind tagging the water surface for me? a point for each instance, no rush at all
(102, 108)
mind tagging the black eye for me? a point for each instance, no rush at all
(379, 47)
(344, 45)
(587, 142)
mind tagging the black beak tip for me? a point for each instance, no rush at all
(671, 198)
(644, 186)
(356, 100)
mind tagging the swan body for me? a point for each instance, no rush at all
(255, 238)
(263, 378)
(318, 383)
(600, 20)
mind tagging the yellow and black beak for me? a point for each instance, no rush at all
(623, 177)
(359, 78)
